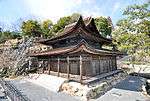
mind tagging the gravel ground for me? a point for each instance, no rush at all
(38, 93)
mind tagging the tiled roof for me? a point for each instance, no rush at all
(86, 25)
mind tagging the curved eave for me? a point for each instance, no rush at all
(84, 47)
(68, 31)
(52, 52)
(81, 47)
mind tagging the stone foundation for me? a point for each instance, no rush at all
(92, 91)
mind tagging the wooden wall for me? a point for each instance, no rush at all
(101, 65)
(91, 66)
(74, 66)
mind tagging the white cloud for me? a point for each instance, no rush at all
(55, 9)
(49, 8)
(94, 12)
(78, 1)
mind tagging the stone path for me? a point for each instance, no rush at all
(2, 95)
(52, 83)
(126, 90)
(37, 93)
(131, 83)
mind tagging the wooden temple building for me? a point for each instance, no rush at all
(77, 50)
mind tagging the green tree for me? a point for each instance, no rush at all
(132, 33)
(5, 36)
(15, 34)
(0, 29)
(62, 22)
(31, 28)
(46, 27)
(103, 26)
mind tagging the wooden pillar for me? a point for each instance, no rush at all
(86, 70)
(91, 67)
(115, 62)
(43, 67)
(104, 68)
(80, 68)
(58, 66)
(29, 65)
(68, 67)
(49, 66)
(105, 65)
(99, 65)
(37, 60)
(109, 64)
(112, 63)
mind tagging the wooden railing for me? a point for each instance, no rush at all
(12, 92)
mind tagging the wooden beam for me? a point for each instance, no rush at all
(80, 68)
(70, 58)
(58, 67)
(68, 67)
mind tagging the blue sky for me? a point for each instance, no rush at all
(13, 11)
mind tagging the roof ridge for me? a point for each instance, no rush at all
(88, 18)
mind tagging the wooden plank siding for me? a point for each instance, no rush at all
(82, 65)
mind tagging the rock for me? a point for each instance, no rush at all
(88, 92)
(144, 89)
